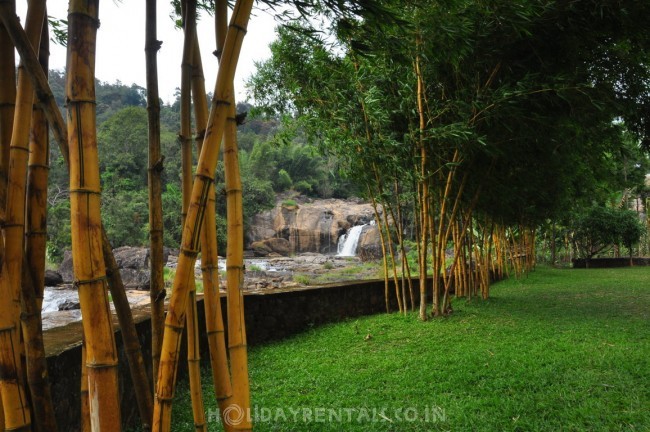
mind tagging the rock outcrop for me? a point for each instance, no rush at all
(308, 226)
(133, 263)
(369, 247)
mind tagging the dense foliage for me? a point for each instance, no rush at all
(270, 164)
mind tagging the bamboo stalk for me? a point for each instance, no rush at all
(237, 346)
(37, 176)
(157, 283)
(130, 339)
(37, 374)
(32, 66)
(33, 280)
(14, 230)
(185, 137)
(192, 227)
(85, 400)
(424, 187)
(89, 268)
(209, 256)
(7, 105)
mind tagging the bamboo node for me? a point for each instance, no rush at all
(214, 332)
(78, 282)
(236, 267)
(164, 398)
(161, 295)
(85, 191)
(158, 165)
(191, 253)
(7, 329)
(204, 177)
(42, 166)
(153, 45)
(33, 233)
(175, 328)
(80, 101)
(240, 28)
(221, 101)
(210, 267)
(88, 17)
(9, 225)
(108, 365)
(16, 147)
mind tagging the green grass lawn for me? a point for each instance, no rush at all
(561, 350)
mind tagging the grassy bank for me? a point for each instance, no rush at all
(560, 350)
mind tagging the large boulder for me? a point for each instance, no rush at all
(369, 247)
(308, 226)
(65, 268)
(53, 278)
(133, 263)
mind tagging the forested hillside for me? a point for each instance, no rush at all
(273, 159)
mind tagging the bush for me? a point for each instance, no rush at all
(303, 186)
(600, 228)
(283, 182)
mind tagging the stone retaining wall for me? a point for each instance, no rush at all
(269, 316)
(610, 262)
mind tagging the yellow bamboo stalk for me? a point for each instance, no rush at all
(32, 66)
(33, 281)
(12, 385)
(235, 276)
(88, 259)
(423, 185)
(36, 364)
(130, 340)
(37, 175)
(209, 256)
(192, 227)
(157, 283)
(382, 239)
(193, 351)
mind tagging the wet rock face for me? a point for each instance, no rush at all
(369, 248)
(310, 226)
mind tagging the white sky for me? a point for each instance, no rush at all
(120, 45)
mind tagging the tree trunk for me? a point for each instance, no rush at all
(157, 283)
(192, 227)
(88, 260)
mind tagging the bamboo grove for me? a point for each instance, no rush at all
(467, 124)
(24, 388)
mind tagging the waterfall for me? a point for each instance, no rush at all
(348, 242)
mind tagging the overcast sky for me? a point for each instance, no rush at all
(120, 45)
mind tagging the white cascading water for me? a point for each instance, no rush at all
(347, 246)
